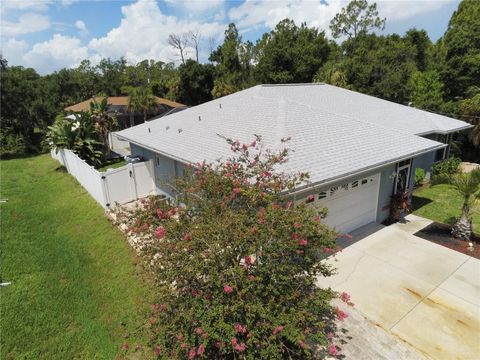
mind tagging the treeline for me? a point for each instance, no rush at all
(442, 77)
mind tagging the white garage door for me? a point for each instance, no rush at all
(352, 204)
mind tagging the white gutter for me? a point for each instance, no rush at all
(446, 132)
(183, 161)
(308, 187)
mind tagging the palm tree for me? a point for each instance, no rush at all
(104, 121)
(468, 185)
(140, 99)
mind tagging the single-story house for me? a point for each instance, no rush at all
(358, 149)
(118, 105)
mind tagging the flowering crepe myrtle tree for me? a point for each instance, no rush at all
(236, 263)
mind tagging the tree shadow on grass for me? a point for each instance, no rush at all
(419, 202)
(61, 169)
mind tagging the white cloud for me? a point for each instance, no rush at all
(256, 13)
(27, 23)
(58, 52)
(197, 5)
(13, 50)
(80, 25)
(143, 34)
(395, 10)
(31, 5)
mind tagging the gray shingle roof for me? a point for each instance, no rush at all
(334, 132)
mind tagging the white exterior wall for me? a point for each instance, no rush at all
(118, 145)
(166, 170)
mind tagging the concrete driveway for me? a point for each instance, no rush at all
(423, 293)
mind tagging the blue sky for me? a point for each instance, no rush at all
(50, 34)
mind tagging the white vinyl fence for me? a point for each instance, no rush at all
(121, 185)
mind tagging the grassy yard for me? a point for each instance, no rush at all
(77, 289)
(443, 204)
(114, 164)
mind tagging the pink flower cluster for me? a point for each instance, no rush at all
(303, 242)
(261, 216)
(278, 329)
(332, 350)
(192, 354)
(240, 329)
(238, 346)
(160, 232)
(340, 314)
(346, 299)
(249, 260)
(227, 289)
(327, 250)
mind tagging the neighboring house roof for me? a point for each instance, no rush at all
(328, 138)
(117, 101)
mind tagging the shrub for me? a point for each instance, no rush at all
(419, 177)
(446, 167)
(11, 143)
(236, 263)
(400, 205)
(77, 135)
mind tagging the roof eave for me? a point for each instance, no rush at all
(309, 186)
(445, 132)
(176, 158)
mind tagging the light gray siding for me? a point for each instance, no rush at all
(166, 169)
(424, 162)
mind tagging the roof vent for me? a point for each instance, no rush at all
(167, 127)
(180, 130)
(220, 105)
(149, 130)
(199, 118)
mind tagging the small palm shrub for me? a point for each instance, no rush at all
(468, 185)
(236, 263)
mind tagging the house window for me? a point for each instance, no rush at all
(322, 195)
(355, 184)
(364, 181)
(345, 187)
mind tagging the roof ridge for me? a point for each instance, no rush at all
(348, 117)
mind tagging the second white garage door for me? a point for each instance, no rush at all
(352, 204)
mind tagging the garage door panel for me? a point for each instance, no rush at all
(348, 210)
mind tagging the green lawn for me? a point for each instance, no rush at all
(443, 204)
(113, 164)
(78, 291)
